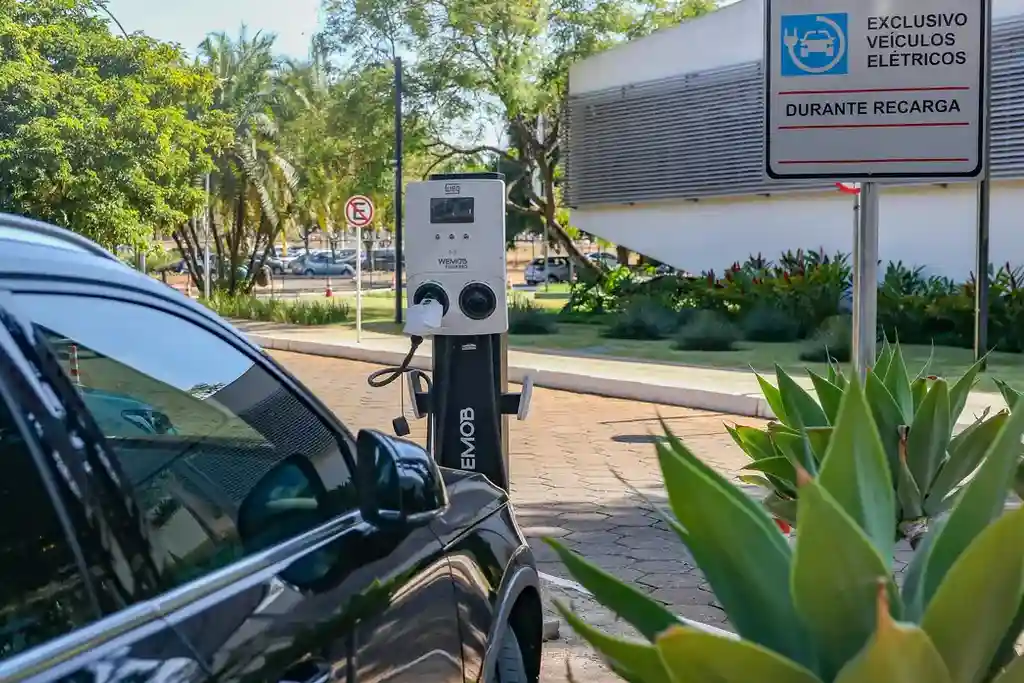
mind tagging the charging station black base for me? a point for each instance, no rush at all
(470, 427)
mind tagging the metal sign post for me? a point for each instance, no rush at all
(206, 242)
(359, 214)
(858, 90)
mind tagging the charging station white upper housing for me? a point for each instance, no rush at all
(455, 251)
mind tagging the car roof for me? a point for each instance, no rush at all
(33, 249)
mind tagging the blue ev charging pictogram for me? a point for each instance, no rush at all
(814, 45)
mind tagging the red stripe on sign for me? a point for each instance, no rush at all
(936, 88)
(874, 161)
(831, 126)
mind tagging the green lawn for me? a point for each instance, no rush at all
(586, 339)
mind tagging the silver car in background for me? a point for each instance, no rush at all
(323, 263)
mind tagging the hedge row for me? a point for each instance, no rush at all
(795, 298)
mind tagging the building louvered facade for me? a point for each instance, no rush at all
(701, 135)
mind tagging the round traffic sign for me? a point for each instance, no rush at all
(359, 211)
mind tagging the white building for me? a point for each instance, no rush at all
(664, 154)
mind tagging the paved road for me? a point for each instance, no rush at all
(562, 462)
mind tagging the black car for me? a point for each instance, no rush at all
(175, 506)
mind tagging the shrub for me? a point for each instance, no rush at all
(296, 312)
(826, 611)
(766, 324)
(642, 319)
(525, 317)
(708, 331)
(832, 343)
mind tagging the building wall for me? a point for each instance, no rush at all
(930, 226)
(640, 173)
(732, 35)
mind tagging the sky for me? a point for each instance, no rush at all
(188, 21)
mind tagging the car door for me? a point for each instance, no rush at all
(261, 591)
(62, 571)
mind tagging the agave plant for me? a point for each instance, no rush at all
(825, 608)
(915, 417)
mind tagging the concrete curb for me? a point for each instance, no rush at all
(683, 397)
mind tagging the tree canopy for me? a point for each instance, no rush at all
(112, 135)
(100, 134)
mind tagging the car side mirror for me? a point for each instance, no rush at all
(399, 483)
(287, 501)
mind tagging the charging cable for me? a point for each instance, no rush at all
(385, 376)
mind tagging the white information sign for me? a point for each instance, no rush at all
(875, 89)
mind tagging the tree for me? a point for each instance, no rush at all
(500, 60)
(254, 184)
(99, 133)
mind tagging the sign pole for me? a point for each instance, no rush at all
(865, 281)
(539, 189)
(359, 287)
(984, 206)
(398, 191)
(206, 241)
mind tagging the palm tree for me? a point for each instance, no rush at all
(255, 183)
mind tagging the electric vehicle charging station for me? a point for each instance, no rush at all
(457, 284)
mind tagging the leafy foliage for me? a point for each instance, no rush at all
(100, 134)
(297, 312)
(914, 418)
(708, 331)
(826, 609)
(525, 317)
(642, 318)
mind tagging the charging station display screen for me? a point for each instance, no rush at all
(448, 210)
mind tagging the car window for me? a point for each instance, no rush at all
(42, 595)
(194, 421)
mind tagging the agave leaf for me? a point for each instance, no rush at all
(797, 449)
(636, 661)
(1010, 395)
(907, 493)
(819, 438)
(923, 372)
(750, 574)
(983, 588)
(783, 508)
(1014, 673)
(856, 474)
(965, 454)
(840, 612)
(920, 391)
(887, 417)
(1018, 481)
(756, 443)
(1007, 651)
(896, 653)
(884, 361)
(979, 502)
(647, 616)
(897, 381)
(829, 395)
(691, 655)
(961, 389)
(801, 408)
(929, 435)
(754, 480)
(774, 399)
(778, 467)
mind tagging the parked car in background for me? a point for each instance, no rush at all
(604, 259)
(557, 270)
(323, 263)
(192, 513)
